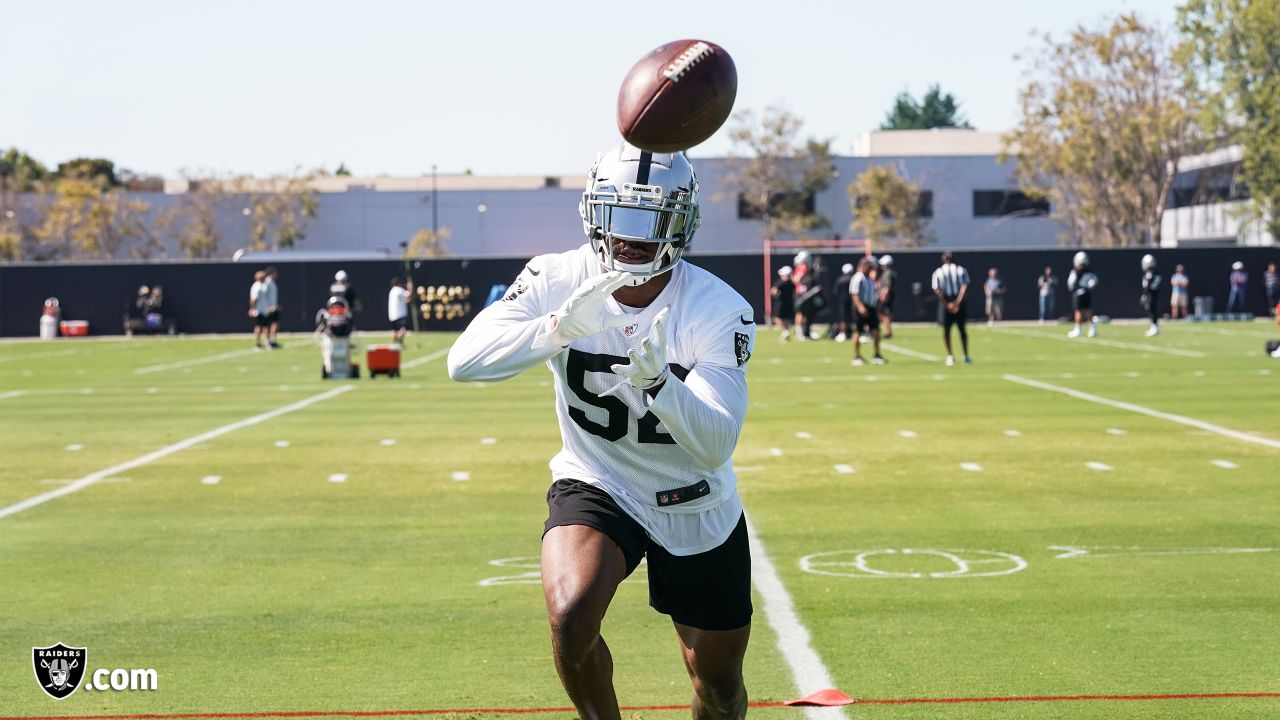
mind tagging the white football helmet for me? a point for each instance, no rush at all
(1081, 259)
(1148, 262)
(636, 196)
(804, 257)
(886, 260)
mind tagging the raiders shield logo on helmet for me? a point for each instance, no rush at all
(59, 669)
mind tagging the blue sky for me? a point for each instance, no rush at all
(495, 87)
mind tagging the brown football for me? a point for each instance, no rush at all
(677, 96)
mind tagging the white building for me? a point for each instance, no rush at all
(969, 200)
(1208, 202)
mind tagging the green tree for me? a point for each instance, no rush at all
(1105, 117)
(426, 243)
(1234, 54)
(935, 110)
(342, 171)
(776, 174)
(84, 222)
(192, 218)
(98, 170)
(886, 208)
(280, 209)
(10, 246)
(20, 173)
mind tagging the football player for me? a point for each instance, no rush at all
(887, 282)
(1081, 283)
(1151, 286)
(649, 358)
(951, 284)
(865, 297)
(784, 302)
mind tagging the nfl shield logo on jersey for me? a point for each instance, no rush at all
(59, 668)
(741, 347)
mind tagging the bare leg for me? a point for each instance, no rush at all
(581, 569)
(713, 659)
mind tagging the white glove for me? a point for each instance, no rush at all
(648, 367)
(584, 313)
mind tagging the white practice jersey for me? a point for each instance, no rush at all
(664, 460)
(397, 303)
(258, 296)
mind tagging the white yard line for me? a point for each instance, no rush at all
(1244, 333)
(163, 452)
(425, 359)
(12, 394)
(1083, 342)
(195, 361)
(1181, 419)
(909, 353)
(33, 356)
(807, 669)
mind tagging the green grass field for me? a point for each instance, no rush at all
(411, 583)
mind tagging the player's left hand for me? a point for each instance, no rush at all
(648, 367)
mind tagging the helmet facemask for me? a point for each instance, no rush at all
(640, 228)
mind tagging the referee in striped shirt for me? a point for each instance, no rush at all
(865, 296)
(951, 285)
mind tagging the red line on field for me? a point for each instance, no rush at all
(1060, 698)
(528, 711)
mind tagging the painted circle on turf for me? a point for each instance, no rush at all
(912, 563)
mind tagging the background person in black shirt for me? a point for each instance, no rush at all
(784, 302)
(887, 282)
(844, 306)
(1152, 284)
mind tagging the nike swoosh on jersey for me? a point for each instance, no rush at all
(747, 321)
(532, 271)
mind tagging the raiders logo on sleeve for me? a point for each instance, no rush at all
(521, 284)
(741, 347)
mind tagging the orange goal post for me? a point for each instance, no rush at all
(815, 246)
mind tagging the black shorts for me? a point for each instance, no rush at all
(708, 591)
(951, 318)
(870, 321)
(786, 311)
(261, 320)
(400, 324)
(273, 316)
(1082, 301)
(886, 305)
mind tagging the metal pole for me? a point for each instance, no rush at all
(434, 205)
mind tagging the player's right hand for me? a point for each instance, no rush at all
(585, 313)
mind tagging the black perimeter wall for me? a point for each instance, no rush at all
(212, 297)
